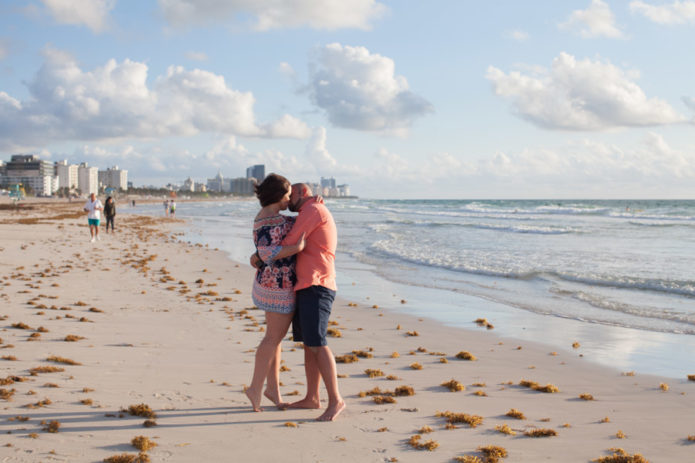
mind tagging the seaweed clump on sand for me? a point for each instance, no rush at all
(140, 410)
(548, 388)
(586, 397)
(691, 377)
(453, 418)
(142, 443)
(63, 360)
(128, 458)
(45, 369)
(465, 355)
(491, 454)
(541, 432)
(621, 456)
(52, 426)
(453, 385)
(415, 443)
(505, 429)
(514, 413)
(348, 358)
(373, 373)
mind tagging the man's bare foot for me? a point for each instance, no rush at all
(306, 403)
(255, 398)
(332, 412)
(276, 399)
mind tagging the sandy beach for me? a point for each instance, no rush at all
(142, 322)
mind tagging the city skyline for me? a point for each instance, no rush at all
(447, 99)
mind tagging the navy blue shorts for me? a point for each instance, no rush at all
(312, 309)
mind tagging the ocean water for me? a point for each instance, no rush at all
(617, 276)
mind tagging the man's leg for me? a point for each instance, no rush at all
(329, 373)
(312, 399)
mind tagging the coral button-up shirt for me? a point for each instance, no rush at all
(316, 263)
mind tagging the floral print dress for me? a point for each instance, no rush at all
(273, 287)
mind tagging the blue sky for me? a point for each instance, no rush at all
(410, 99)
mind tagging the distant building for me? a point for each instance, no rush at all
(31, 172)
(113, 177)
(328, 183)
(217, 183)
(257, 172)
(200, 187)
(67, 174)
(344, 190)
(87, 179)
(188, 185)
(243, 186)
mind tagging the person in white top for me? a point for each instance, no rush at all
(93, 208)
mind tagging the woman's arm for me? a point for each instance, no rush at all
(267, 254)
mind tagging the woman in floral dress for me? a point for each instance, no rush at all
(273, 287)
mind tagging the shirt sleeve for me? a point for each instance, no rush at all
(306, 222)
(268, 253)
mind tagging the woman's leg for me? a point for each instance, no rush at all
(267, 354)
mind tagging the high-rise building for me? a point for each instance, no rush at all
(328, 183)
(67, 174)
(257, 172)
(113, 177)
(32, 172)
(87, 179)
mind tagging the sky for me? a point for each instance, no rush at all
(398, 99)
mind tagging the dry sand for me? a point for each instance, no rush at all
(171, 326)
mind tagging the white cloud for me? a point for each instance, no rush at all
(276, 14)
(288, 127)
(360, 90)
(317, 153)
(596, 21)
(196, 56)
(287, 69)
(676, 13)
(115, 102)
(518, 35)
(92, 13)
(581, 95)
(652, 160)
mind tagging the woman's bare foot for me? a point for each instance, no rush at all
(276, 399)
(306, 403)
(255, 398)
(332, 412)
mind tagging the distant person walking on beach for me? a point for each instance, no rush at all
(172, 208)
(273, 287)
(166, 207)
(315, 291)
(93, 208)
(109, 212)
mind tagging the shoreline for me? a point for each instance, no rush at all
(188, 354)
(649, 352)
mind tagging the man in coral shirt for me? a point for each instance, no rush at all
(315, 291)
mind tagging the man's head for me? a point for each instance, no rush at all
(300, 193)
(92, 196)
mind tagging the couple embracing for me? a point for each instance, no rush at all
(295, 283)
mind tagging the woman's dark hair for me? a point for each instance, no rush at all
(272, 189)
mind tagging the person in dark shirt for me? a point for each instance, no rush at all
(109, 212)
